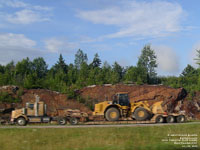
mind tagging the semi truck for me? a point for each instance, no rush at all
(37, 113)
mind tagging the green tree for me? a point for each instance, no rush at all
(61, 64)
(189, 71)
(23, 68)
(106, 73)
(96, 61)
(80, 58)
(83, 75)
(198, 57)
(147, 60)
(135, 75)
(40, 67)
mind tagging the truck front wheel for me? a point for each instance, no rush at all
(21, 121)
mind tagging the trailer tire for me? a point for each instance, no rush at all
(180, 118)
(141, 114)
(112, 114)
(159, 119)
(73, 121)
(62, 121)
(21, 121)
(170, 119)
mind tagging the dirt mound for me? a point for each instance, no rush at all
(150, 93)
(54, 100)
(192, 106)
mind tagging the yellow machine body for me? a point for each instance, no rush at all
(125, 111)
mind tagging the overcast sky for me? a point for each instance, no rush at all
(116, 30)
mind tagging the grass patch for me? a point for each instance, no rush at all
(116, 138)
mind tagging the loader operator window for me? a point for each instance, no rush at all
(124, 100)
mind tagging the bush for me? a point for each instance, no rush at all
(6, 97)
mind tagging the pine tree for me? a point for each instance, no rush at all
(147, 60)
(80, 58)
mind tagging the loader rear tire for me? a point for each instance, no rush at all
(141, 114)
(112, 114)
(21, 121)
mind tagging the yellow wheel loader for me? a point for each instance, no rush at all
(120, 107)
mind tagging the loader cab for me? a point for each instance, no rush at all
(121, 99)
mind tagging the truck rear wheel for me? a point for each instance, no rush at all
(159, 119)
(170, 119)
(62, 121)
(112, 114)
(73, 121)
(180, 118)
(21, 121)
(141, 114)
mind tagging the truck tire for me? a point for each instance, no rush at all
(141, 114)
(159, 119)
(180, 118)
(62, 121)
(21, 121)
(112, 114)
(73, 121)
(170, 119)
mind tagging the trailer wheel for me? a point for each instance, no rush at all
(62, 121)
(141, 114)
(73, 121)
(170, 119)
(21, 121)
(112, 114)
(180, 118)
(159, 119)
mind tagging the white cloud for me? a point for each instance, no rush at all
(16, 47)
(167, 59)
(25, 16)
(59, 45)
(24, 13)
(136, 18)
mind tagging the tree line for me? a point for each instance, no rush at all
(65, 78)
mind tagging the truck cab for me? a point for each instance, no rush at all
(33, 112)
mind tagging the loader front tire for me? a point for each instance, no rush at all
(112, 114)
